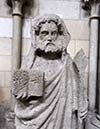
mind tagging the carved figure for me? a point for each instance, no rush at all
(49, 89)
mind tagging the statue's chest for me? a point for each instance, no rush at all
(49, 67)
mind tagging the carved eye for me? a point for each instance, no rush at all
(44, 33)
(54, 33)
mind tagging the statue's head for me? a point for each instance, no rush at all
(50, 34)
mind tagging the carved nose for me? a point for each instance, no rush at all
(49, 39)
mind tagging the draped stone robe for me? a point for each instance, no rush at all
(60, 106)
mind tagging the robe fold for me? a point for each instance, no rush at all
(59, 106)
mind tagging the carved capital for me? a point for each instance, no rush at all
(91, 1)
(10, 2)
(88, 3)
(17, 6)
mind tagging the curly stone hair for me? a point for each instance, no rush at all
(40, 20)
(50, 19)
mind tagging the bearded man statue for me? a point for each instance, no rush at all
(47, 87)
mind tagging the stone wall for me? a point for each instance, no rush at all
(75, 19)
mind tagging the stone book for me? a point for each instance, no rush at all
(28, 83)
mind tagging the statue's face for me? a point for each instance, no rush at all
(48, 32)
(47, 39)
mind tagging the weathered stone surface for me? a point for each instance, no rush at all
(84, 14)
(26, 46)
(64, 101)
(81, 61)
(6, 63)
(92, 121)
(7, 23)
(27, 84)
(82, 44)
(4, 9)
(5, 46)
(71, 48)
(36, 83)
(68, 0)
(79, 29)
(93, 61)
(65, 9)
(3, 111)
(6, 117)
(33, 9)
(30, 10)
(73, 26)
(4, 94)
(2, 78)
(75, 45)
(7, 79)
(27, 28)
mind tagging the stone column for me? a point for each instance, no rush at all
(17, 7)
(93, 7)
(94, 21)
(17, 15)
(92, 121)
(17, 34)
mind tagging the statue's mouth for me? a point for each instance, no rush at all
(50, 43)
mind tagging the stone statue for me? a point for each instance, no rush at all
(49, 88)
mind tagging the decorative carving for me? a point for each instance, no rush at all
(86, 5)
(62, 103)
(10, 2)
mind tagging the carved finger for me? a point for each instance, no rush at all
(19, 96)
(83, 114)
(24, 95)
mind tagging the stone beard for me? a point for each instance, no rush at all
(60, 106)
